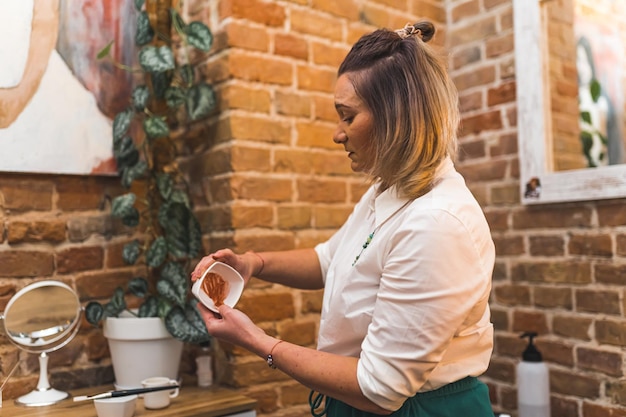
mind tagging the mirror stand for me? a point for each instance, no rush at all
(42, 318)
(44, 394)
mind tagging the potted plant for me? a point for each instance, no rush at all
(168, 95)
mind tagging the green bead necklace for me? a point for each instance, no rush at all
(365, 245)
(371, 235)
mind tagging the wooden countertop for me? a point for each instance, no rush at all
(191, 402)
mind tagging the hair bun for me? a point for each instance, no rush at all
(425, 30)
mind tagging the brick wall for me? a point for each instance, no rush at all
(266, 175)
(560, 268)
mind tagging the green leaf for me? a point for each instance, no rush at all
(140, 97)
(105, 51)
(179, 196)
(122, 204)
(175, 96)
(186, 73)
(596, 90)
(160, 83)
(156, 127)
(194, 317)
(121, 123)
(586, 116)
(163, 307)
(174, 293)
(150, 308)
(139, 4)
(165, 185)
(116, 305)
(123, 207)
(200, 101)
(94, 312)
(182, 230)
(180, 328)
(173, 285)
(199, 36)
(131, 252)
(144, 32)
(174, 273)
(156, 58)
(130, 174)
(157, 252)
(138, 287)
(125, 153)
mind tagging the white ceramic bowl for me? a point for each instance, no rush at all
(230, 275)
(116, 407)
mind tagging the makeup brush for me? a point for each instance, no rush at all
(124, 392)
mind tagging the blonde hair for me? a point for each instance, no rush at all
(414, 105)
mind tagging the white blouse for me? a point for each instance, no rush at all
(414, 307)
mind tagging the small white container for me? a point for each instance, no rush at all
(116, 406)
(230, 275)
(204, 363)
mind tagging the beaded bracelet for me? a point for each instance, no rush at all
(270, 358)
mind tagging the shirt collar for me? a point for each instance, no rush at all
(389, 202)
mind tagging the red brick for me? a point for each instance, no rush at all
(311, 22)
(572, 327)
(552, 217)
(571, 272)
(591, 245)
(491, 120)
(601, 410)
(247, 37)
(264, 69)
(320, 191)
(530, 321)
(22, 231)
(501, 94)
(599, 302)
(267, 306)
(316, 79)
(24, 263)
(574, 384)
(291, 45)
(512, 295)
(547, 245)
(264, 12)
(23, 195)
(550, 297)
(599, 360)
(80, 259)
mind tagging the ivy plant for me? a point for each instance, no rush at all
(168, 95)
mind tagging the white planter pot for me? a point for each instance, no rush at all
(141, 348)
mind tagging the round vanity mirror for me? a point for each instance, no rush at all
(40, 318)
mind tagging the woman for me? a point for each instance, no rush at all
(405, 319)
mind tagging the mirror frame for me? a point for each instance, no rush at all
(534, 122)
(59, 340)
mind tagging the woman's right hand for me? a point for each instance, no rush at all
(244, 264)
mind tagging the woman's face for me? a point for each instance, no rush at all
(355, 127)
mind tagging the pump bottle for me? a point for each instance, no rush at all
(533, 382)
(204, 363)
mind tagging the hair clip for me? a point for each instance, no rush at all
(408, 30)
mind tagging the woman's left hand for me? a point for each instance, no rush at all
(232, 326)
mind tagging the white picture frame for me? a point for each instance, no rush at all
(533, 121)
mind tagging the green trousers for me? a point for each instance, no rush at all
(466, 397)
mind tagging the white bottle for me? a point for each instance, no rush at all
(533, 382)
(204, 363)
